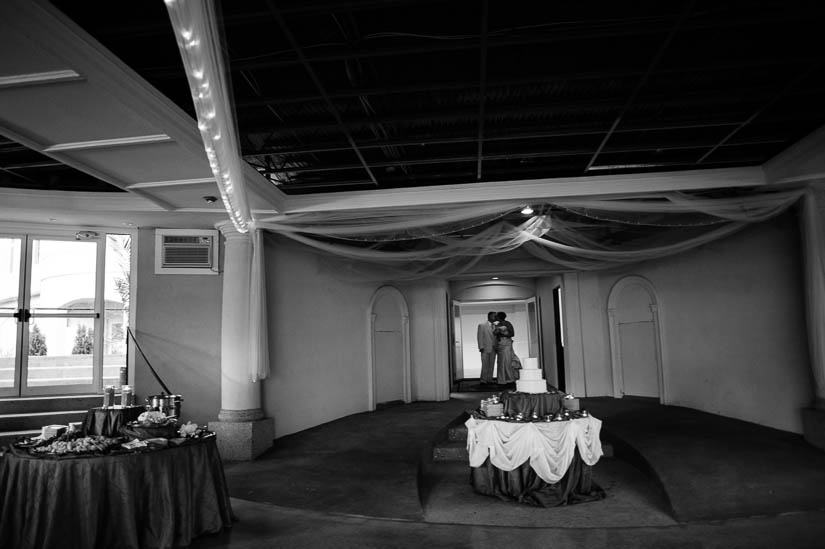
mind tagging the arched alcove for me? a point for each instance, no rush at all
(388, 352)
(635, 339)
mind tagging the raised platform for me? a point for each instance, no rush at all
(674, 466)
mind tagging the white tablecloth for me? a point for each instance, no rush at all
(549, 446)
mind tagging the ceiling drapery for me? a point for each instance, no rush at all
(567, 234)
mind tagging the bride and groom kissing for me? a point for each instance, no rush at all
(495, 343)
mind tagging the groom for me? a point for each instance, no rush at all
(487, 347)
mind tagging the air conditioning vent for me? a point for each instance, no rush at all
(180, 251)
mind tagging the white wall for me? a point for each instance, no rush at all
(733, 326)
(178, 326)
(318, 321)
(732, 315)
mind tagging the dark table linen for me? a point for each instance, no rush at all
(528, 404)
(108, 421)
(525, 486)
(163, 498)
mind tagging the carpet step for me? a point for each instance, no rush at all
(458, 432)
(32, 421)
(30, 405)
(451, 451)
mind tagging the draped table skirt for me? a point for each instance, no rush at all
(162, 498)
(538, 463)
(108, 421)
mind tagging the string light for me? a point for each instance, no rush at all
(199, 45)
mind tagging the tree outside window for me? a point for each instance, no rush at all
(37, 342)
(84, 340)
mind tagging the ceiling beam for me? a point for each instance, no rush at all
(537, 189)
(337, 52)
(510, 135)
(762, 108)
(482, 88)
(708, 100)
(688, 9)
(428, 87)
(314, 77)
(554, 153)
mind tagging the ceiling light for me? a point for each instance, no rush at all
(210, 199)
(493, 278)
(527, 210)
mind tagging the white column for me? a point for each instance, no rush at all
(240, 397)
(243, 431)
(813, 232)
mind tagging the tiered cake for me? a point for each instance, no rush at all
(531, 378)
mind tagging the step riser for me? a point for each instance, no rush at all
(35, 422)
(450, 454)
(56, 404)
(457, 433)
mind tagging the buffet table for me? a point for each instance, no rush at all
(159, 498)
(545, 463)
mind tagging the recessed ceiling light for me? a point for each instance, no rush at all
(494, 278)
(527, 210)
(52, 219)
(128, 224)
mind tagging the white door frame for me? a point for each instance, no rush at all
(394, 293)
(615, 343)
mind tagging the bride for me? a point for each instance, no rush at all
(506, 360)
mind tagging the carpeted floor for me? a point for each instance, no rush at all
(679, 478)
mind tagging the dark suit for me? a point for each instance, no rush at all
(487, 347)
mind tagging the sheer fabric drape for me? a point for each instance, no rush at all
(567, 235)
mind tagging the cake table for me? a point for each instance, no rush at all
(538, 463)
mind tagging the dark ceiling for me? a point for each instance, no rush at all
(361, 94)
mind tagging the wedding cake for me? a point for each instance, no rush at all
(531, 378)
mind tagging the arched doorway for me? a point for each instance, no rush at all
(635, 341)
(389, 349)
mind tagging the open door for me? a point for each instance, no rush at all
(558, 315)
(457, 354)
(534, 329)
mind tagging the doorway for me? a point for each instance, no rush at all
(63, 314)
(635, 340)
(389, 350)
(522, 313)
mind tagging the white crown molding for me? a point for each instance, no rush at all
(39, 78)
(71, 200)
(171, 183)
(102, 143)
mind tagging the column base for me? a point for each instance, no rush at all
(243, 440)
(813, 426)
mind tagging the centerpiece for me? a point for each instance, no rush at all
(152, 424)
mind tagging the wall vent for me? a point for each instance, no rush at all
(186, 251)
